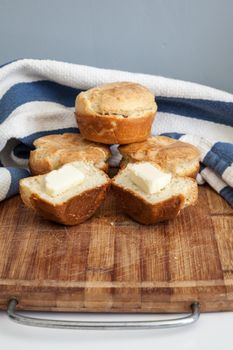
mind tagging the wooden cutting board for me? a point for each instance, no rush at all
(111, 263)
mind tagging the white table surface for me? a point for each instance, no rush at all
(212, 331)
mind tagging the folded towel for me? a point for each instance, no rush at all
(37, 98)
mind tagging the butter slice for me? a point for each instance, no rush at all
(58, 181)
(148, 178)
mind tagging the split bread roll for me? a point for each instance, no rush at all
(116, 113)
(53, 151)
(76, 203)
(178, 157)
(147, 208)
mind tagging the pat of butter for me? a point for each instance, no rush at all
(63, 179)
(148, 178)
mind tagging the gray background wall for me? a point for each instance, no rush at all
(184, 39)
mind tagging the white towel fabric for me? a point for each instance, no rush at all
(37, 98)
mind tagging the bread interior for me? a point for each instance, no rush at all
(93, 178)
(177, 186)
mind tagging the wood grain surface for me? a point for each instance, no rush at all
(111, 263)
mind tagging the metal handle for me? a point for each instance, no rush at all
(99, 325)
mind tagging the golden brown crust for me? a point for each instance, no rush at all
(116, 113)
(72, 212)
(112, 130)
(123, 99)
(192, 173)
(144, 212)
(176, 156)
(53, 151)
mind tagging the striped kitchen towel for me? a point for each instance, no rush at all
(37, 98)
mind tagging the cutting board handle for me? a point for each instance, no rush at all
(99, 325)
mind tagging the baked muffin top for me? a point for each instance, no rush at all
(120, 99)
(160, 147)
(179, 157)
(52, 151)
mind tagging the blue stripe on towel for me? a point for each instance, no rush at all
(173, 135)
(214, 111)
(16, 175)
(225, 151)
(42, 90)
(227, 194)
(202, 167)
(28, 140)
(219, 157)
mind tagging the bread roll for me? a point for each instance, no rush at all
(74, 205)
(153, 208)
(180, 158)
(53, 151)
(116, 113)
